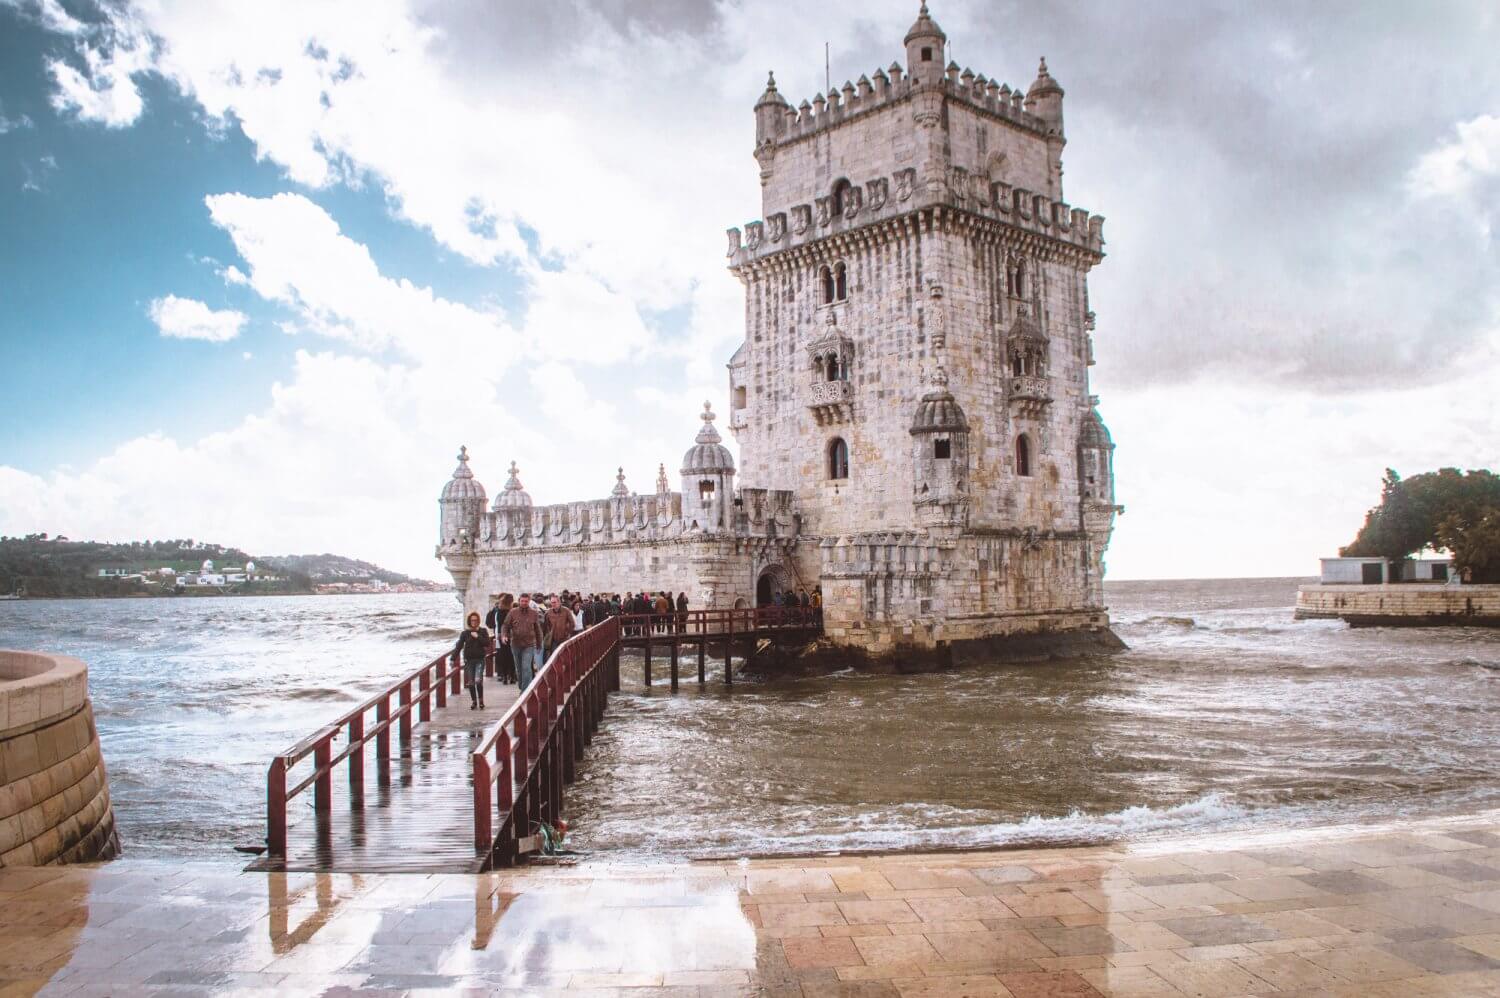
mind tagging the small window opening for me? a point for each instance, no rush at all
(942, 449)
(840, 197)
(1021, 279)
(840, 282)
(826, 276)
(1017, 365)
(739, 397)
(705, 490)
(838, 458)
(926, 54)
(1023, 456)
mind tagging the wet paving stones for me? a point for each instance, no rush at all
(1334, 913)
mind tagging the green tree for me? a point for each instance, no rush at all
(1448, 508)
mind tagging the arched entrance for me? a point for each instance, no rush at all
(773, 578)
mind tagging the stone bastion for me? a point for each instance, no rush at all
(54, 795)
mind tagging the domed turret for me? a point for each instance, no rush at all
(939, 411)
(940, 457)
(707, 478)
(708, 454)
(1095, 459)
(462, 502)
(513, 496)
(924, 48)
(770, 113)
(1044, 99)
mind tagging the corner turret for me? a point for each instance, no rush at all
(707, 478)
(462, 503)
(1045, 99)
(924, 49)
(770, 113)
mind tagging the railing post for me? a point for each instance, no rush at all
(323, 788)
(729, 652)
(674, 664)
(702, 651)
(424, 687)
(357, 760)
(648, 658)
(403, 699)
(484, 838)
(458, 678)
(442, 682)
(383, 714)
(523, 740)
(276, 808)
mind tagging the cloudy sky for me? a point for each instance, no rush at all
(265, 266)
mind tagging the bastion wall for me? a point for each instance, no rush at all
(54, 793)
(1401, 604)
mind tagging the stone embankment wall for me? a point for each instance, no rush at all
(1402, 604)
(54, 795)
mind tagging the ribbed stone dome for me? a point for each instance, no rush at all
(939, 411)
(707, 454)
(463, 486)
(1093, 433)
(513, 496)
(924, 27)
(1044, 83)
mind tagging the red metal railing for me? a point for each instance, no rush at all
(525, 759)
(431, 684)
(741, 621)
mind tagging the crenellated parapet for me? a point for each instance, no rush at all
(887, 87)
(878, 201)
(627, 519)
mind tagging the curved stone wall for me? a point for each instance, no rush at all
(54, 795)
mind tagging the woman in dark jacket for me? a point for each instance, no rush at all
(474, 644)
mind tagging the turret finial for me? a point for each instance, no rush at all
(620, 489)
(463, 454)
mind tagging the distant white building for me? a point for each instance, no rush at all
(1377, 571)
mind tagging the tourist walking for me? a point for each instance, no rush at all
(505, 666)
(682, 610)
(522, 633)
(473, 644)
(560, 625)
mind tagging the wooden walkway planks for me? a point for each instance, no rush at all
(418, 813)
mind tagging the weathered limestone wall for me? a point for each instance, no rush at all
(1409, 604)
(716, 573)
(54, 794)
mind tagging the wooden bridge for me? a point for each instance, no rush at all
(457, 789)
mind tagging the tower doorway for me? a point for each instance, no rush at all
(763, 590)
(773, 579)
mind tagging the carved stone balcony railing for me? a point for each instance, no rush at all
(831, 401)
(1030, 393)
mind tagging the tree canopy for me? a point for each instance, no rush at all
(1458, 511)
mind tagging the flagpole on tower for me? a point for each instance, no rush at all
(827, 74)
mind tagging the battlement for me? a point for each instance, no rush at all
(887, 87)
(883, 198)
(629, 519)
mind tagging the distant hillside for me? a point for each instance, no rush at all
(48, 566)
(325, 568)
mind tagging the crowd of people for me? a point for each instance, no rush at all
(521, 630)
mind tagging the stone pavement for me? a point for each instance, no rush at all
(1412, 909)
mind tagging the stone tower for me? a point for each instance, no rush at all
(915, 364)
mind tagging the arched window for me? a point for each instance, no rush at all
(838, 458)
(1023, 456)
(825, 275)
(840, 197)
(1017, 365)
(832, 367)
(1020, 278)
(840, 282)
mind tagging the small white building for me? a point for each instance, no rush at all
(1426, 569)
(1354, 571)
(113, 573)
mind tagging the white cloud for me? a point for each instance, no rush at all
(189, 319)
(113, 54)
(1454, 167)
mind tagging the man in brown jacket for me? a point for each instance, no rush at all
(560, 625)
(523, 632)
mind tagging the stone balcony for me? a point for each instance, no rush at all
(1030, 393)
(831, 401)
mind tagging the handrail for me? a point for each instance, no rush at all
(740, 620)
(527, 734)
(432, 682)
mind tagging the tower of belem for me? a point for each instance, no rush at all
(911, 401)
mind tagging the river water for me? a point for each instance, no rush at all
(1224, 714)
